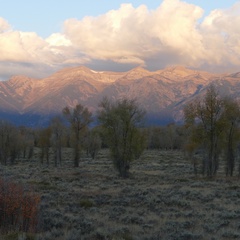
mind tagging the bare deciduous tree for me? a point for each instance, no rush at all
(44, 143)
(9, 142)
(79, 119)
(206, 118)
(93, 142)
(231, 132)
(57, 130)
(121, 121)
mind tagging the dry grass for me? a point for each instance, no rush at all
(161, 200)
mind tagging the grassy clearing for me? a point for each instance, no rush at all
(162, 199)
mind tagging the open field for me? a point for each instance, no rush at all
(161, 200)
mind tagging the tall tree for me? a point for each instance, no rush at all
(79, 119)
(57, 129)
(231, 131)
(207, 118)
(25, 140)
(9, 142)
(121, 121)
(44, 143)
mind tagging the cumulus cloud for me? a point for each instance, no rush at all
(222, 36)
(174, 33)
(27, 53)
(171, 34)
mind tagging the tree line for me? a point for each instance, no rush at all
(119, 129)
(210, 132)
(213, 129)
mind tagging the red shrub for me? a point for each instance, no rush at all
(18, 208)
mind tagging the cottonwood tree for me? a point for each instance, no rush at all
(9, 142)
(44, 142)
(57, 135)
(165, 137)
(231, 132)
(93, 142)
(207, 122)
(25, 140)
(121, 121)
(79, 119)
(191, 144)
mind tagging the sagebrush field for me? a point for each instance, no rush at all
(162, 199)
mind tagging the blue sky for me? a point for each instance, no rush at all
(40, 37)
(47, 16)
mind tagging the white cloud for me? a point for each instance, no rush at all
(222, 36)
(27, 53)
(170, 34)
(57, 39)
(118, 35)
(4, 26)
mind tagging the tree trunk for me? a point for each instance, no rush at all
(76, 156)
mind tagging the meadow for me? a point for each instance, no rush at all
(162, 199)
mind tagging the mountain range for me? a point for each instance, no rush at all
(161, 93)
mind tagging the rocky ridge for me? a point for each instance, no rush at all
(162, 93)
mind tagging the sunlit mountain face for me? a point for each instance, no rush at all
(162, 93)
